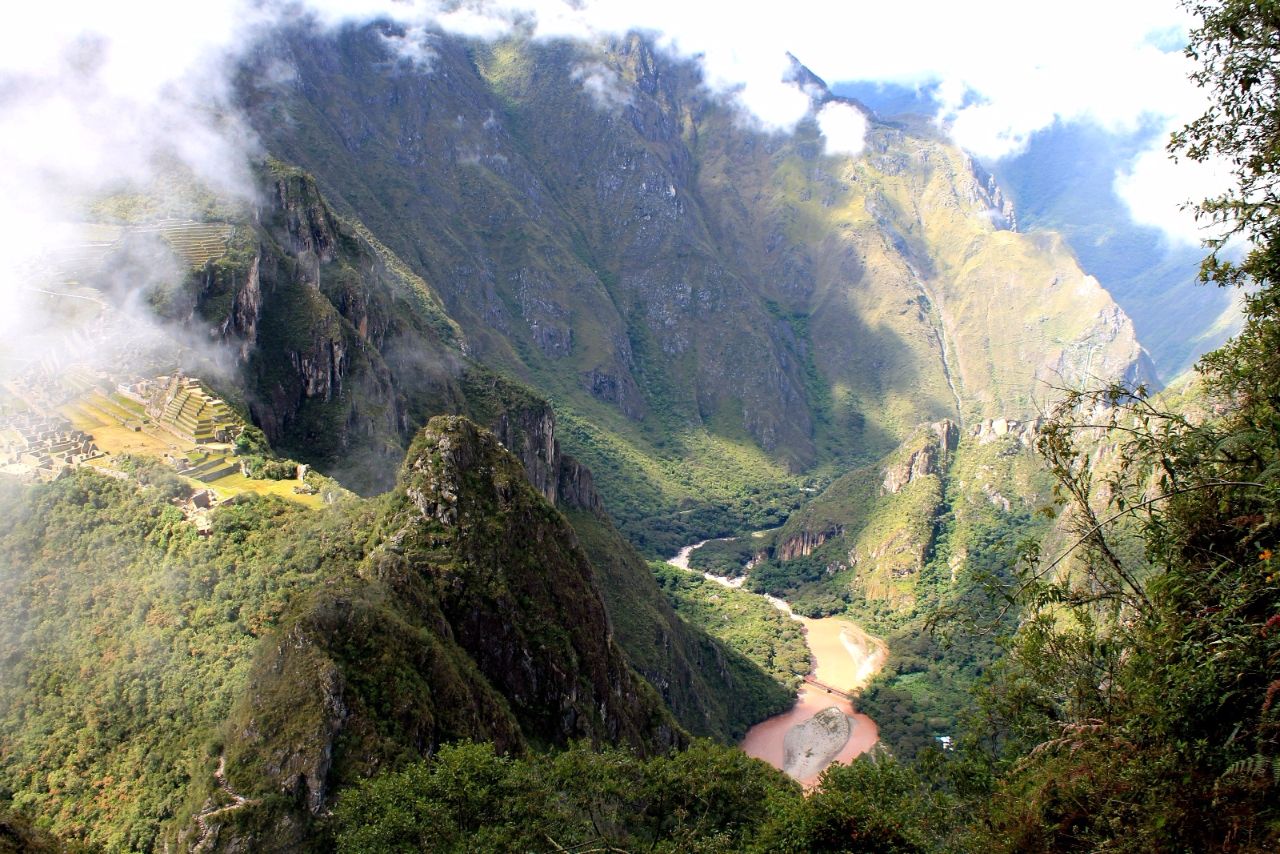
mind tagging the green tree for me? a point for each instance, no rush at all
(708, 798)
(1140, 697)
(1236, 46)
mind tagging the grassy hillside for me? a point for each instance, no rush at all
(714, 689)
(744, 622)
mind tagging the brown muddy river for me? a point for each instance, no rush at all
(844, 658)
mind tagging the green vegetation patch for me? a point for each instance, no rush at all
(742, 620)
(127, 636)
(705, 799)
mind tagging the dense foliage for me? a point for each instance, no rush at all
(744, 622)
(155, 672)
(126, 637)
(707, 798)
(1139, 700)
(716, 678)
(729, 556)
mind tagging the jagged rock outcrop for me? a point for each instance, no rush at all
(992, 195)
(804, 543)
(239, 328)
(475, 615)
(921, 463)
(530, 433)
(948, 433)
(577, 488)
(310, 230)
(526, 426)
(925, 460)
(990, 429)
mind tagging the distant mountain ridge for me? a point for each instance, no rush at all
(686, 290)
(1065, 181)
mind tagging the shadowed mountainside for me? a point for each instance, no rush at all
(687, 291)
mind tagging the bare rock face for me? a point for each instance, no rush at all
(986, 190)
(920, 464)
(804, 543)
(240, 326)
(948, 433)
(577, 487)
(925, 460)
(527, 428)
(991, 429)
(530, 434)
(618, 388)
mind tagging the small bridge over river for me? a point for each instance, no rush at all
(828, 688)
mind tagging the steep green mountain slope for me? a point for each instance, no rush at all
(745, 622)
(713, 310)
(713, 688)
(721, 318)
(342, 350)
(155, 677)
(1066, 181)
(915, 547)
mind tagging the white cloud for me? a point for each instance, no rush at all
(603, 84)
(93, 94)
(844, 128)
(1160, 193)
(413, 46)
(97, 97)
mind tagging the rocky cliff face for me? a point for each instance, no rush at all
(342, 350)
(647, 259)
(924, 460)
(804, 543)
(530, 434)
(577, 487)
(525, 424)
(238, 327)
(990, 429)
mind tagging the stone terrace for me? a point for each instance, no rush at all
(42, 446)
